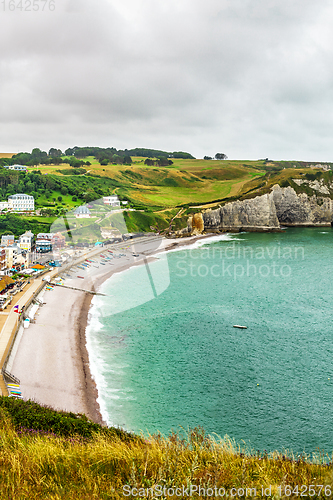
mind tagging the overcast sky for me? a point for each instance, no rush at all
(248, 78)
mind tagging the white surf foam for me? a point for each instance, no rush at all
(199, 243)
(96, 362)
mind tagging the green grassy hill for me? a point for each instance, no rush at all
(159, 193)
(45, 454)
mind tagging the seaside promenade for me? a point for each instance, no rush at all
(9, 320)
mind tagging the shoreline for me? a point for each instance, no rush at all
(91, 393)
(52, 360)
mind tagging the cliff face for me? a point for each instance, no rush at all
(265, 213)
(299, 210)
(259, 212)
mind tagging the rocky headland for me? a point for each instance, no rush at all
(269, 212)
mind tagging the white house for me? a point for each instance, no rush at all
(82, 212)
(20, 168)
(113, 201)
(21, 203)
(25, 241)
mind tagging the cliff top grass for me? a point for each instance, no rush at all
(44, 457)
(158, 193)
(192, 182)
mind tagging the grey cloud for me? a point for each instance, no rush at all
(250, 77)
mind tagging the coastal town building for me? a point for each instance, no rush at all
(3, 263)
(58, 240)
(26, 241)
(7, 239)
(44, 242)
(18, 203)
(21, 203)
(16, 258)
(112, 201)
(82, 212)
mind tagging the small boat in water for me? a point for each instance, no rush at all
(240, 326)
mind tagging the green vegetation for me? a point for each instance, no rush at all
(32, 416)
(17, 225)
(74, 156)
(55, 455)
(153, 183)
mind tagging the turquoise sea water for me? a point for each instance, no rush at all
(176, 360)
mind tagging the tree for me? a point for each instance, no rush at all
(221, 156)
(55, 152)
(90, 195)
(127, 160)
(208, 158)
(116, 159)
(59, 198)
(56, 160)
(104, 162)
(162, 162)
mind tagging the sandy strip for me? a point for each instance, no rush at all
(52, 361)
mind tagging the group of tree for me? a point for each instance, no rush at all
(155, 153)
(14, 224)
(218, 156)
(159, 162)
(36, 184)
(103, 155)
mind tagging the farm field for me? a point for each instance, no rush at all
(184, 182)
(155, 193)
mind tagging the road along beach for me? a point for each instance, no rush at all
(51, 360)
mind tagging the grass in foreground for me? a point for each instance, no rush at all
(64, 464)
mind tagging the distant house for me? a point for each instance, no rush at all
(21, 203)
(82, 212)
(20, 168)
(113, 201)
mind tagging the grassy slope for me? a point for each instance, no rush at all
(184, 182)
(72, 458)
(191, 184)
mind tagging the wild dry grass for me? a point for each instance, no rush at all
(43, 466)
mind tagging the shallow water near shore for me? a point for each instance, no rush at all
(176, 361)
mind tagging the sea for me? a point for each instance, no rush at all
(166, 356)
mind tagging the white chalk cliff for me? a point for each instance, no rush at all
(281, 207)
